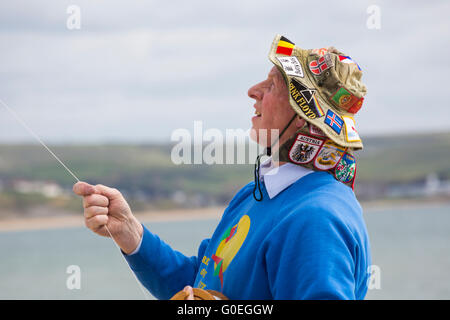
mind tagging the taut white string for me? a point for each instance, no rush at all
(14, 114)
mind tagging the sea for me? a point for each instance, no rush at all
(410, 257)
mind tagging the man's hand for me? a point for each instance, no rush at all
(104, 206)
(189, 291)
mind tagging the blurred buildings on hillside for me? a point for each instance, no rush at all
(428, 187)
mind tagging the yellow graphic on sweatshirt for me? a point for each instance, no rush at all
(230, 243)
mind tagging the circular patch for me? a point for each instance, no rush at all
(328, 156)
(345, 100)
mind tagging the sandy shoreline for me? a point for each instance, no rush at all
(70, 221)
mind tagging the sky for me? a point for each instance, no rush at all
(135, 71)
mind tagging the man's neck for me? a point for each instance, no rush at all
(277, 163)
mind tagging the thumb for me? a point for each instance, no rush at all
(83, 189)
(189, 293)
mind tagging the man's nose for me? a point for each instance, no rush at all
(254, 92)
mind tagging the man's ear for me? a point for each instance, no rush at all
(299, 122)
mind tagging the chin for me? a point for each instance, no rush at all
(260, 138)
(253, 135)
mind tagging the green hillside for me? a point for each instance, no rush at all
(146, 174)
(404, 158)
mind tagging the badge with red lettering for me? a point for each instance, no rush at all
(304, 149)
(329, 156)
(315, 131)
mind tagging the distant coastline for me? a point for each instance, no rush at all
(74, 220)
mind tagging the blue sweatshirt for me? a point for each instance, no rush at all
(307, 242)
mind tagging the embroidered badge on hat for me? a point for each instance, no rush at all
(285, 46)
(291, 66)
(329, 156)
(346, 168)
(350, 129)
(305, 99)
(334, 121)
(316, 131)
(304, 149)
(320, 51)
(323, 63)
(343, 98)
(355, 108)
(331, 81)
(347, 59)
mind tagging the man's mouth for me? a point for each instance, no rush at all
(258, 114)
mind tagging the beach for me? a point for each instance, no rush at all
(76, 220)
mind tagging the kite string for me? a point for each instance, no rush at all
(14, 114)
(134, 275)
(36, 137)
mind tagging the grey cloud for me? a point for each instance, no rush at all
(138, 70)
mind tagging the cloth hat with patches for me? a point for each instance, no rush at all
(325, 88)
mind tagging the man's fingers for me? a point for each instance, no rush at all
(96, 222)
(83, 188)
(189, 293)
(95, 200)
(111, 193)
(95, 211)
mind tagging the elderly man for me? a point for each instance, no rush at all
(297, 231)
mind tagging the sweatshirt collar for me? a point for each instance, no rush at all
(276, 179)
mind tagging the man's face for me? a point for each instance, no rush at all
(272, 109)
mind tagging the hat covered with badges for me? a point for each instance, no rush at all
(325, 88)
